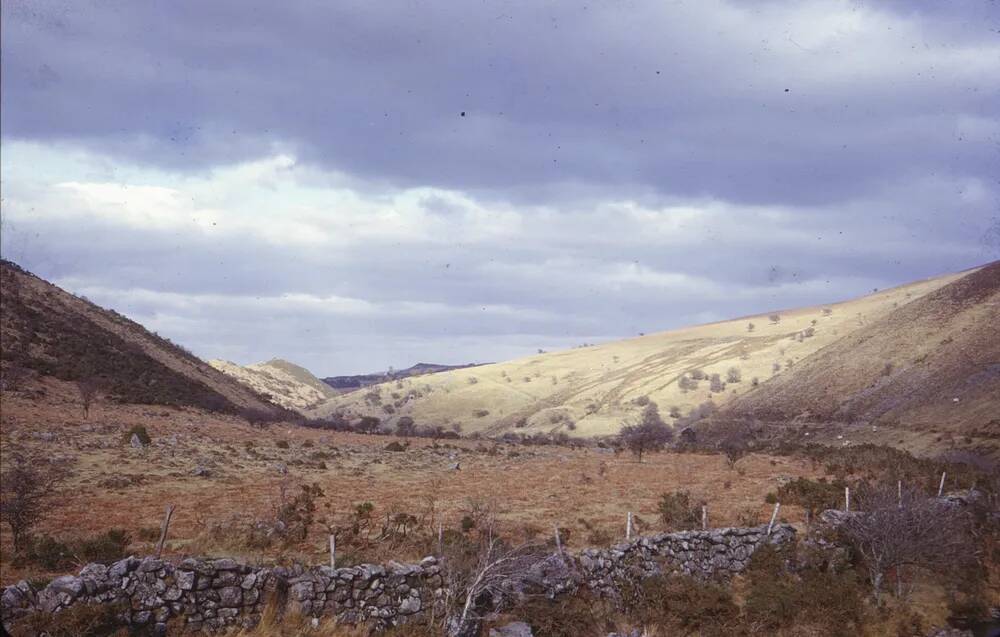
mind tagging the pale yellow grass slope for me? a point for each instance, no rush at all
(595, 388)
(285, 383)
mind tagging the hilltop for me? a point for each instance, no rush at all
(284, 383)
(48, 332)
(694, 371)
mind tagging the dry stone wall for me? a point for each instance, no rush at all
(213, 594)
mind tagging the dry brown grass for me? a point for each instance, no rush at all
(539, 487)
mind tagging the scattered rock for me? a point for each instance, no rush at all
(201, 472)
(136, 442)
(515, 629)
(281, 468)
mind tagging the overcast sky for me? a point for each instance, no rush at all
(354, 185)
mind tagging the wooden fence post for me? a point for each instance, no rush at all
(704, 517)
(628, 526)
(774, 516)
(558, 541)
(941, 486)
(163, 530)
(333, 551)
(847, 499)
(899, 493)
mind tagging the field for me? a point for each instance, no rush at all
(587, 491)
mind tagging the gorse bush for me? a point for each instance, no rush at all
(678, 512)
(683, 604)
(827, 601)
(54, 555)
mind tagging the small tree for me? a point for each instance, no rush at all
(28, 488)
(651, 434)
(891, 533)
(774, 318)
(715, 383)
(750, 327)
(368, 424)
(733, 375)
(88, 389)
(405, 427)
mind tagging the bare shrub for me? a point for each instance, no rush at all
(774, 318)
(488, 576)
(915, 532)
(88, 390)
(733, 375)
(29, 491)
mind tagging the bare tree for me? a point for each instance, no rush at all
(491, 579)
(28, 488)
(88, 389)
(893, 531)
(651, 434)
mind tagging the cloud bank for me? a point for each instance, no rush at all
(357, 185)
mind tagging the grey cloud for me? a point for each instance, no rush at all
(676, 98)
(865, 147)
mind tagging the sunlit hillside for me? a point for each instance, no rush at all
(594, 390)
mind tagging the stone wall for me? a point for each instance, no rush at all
(212, 594)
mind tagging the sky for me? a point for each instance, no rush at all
(358, 185)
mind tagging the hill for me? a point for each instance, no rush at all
(930, 367)
(49, 332)
(286, 384)
(593, 390)
(357, 381)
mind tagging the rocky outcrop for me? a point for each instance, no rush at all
(213, 594)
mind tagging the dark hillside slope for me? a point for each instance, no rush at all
(932, 364)
(53, 333)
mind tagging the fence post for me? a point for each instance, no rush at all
(847, 499)
(440, 538)
(704, 517)
(774, 516)
(163, 530)
(628, 526)
(558, 541)
(899, 493)
(941, 486)
(333, 551)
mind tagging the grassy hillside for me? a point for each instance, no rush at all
(285, 383)
(930, 366)
(48, 331)
(594, 390)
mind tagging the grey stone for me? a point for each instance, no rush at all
(230, 596)
(515, 629)
(186, 580)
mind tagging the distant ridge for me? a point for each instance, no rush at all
(348, 383)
